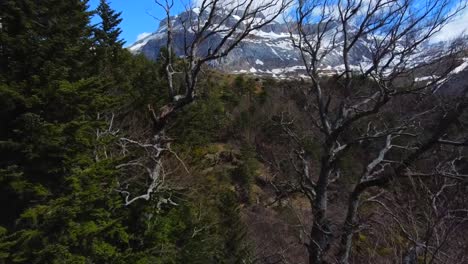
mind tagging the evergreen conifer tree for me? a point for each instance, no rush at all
(58, 75)
(45, 46)
(108, 34)
(107, 38)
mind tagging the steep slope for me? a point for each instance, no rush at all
(270, 51)
(266, 51)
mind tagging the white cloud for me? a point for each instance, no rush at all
(142, 36)
(456, 28)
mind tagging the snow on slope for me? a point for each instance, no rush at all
(460, 68)
(268, 51)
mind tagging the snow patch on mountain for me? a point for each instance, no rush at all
(460, 68)
(426, 78)
(267, 51)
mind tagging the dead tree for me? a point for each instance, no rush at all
(431, 216)
(206, 20)
(395, 32)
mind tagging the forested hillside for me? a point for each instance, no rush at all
(108, 157)
(69, 92)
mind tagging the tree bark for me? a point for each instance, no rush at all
(320, 233)
(348, 229)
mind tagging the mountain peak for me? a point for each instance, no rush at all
(267, 51)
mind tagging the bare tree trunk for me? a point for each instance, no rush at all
(169, 67)
(348, 229)
(320, 233)
(398, 29)
(411, 256)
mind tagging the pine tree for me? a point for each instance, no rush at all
(59, 202)
(45, 46)
(54, 45)
(107, 37)
(50, 185)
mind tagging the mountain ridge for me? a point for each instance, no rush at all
(267, 51)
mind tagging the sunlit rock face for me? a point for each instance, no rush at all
(268, 51)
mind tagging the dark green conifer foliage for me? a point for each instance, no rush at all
(59, 78)
(40, 44)
(58, 203)
(108, 45)
(42, 76)
(108, 34)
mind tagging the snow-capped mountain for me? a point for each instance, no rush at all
(267, 51)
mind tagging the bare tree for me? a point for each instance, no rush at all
(430, 215)
(206, 20)
(205, 26)
(355, 113)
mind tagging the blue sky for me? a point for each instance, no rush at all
(138, 19)
(135, 15)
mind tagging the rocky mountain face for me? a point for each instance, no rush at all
(268, 51)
